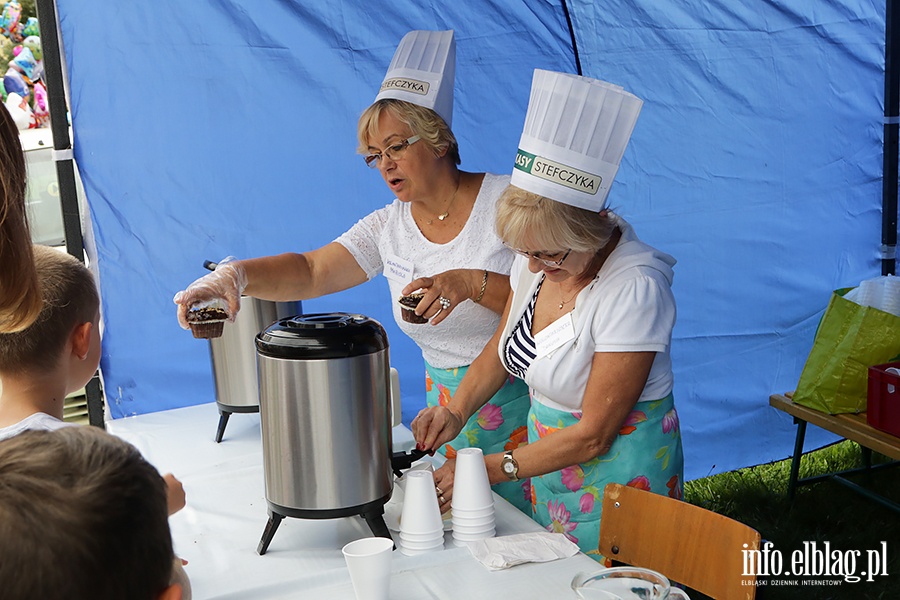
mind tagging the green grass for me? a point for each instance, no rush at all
(821, 512)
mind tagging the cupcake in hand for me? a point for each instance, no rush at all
(409, 303)
(207, 319)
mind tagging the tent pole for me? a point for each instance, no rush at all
(571, 26)
(65, 164)
(891, 137)
(62, 146)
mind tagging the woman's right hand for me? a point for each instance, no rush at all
(435, 426)
(227, 282)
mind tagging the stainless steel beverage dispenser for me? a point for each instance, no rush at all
(325, 406)
(233, 356)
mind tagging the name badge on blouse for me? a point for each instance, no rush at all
(555, 335)
(398, 269)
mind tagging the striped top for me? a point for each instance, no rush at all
(520, 347)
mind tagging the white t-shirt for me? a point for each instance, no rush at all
(628, 307)
(38, 420)
(390, 235)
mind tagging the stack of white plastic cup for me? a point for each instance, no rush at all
(473, 501)
(421, 527)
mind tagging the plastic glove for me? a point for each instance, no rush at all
(227, 283)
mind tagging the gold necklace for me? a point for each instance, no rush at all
(446, 212)
(564, 302)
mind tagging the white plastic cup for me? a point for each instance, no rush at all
(475, 521)
(369, 563)
(473, 529)
(471, 487)
(467, 514)
(411, 552)
(421, 511)
(421, 547)
(422, 537)
(474, 537)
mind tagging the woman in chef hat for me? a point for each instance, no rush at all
(588, 326)
(437, 236)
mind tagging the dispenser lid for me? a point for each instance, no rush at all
(322, 336)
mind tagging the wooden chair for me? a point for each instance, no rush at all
(688, 544)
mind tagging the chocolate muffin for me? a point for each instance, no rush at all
(409, 304)
(208, 322)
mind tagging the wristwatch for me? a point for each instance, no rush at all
(509, 466)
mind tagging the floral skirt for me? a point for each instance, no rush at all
(499, 425)
(647, 454)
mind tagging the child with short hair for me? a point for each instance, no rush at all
(83, 517)
(58, 353)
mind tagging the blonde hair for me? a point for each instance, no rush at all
(424, 122)
(83, 515)
(531, 221)
(69, 298)
(20, 298)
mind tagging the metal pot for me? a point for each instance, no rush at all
(233, 356)
(325, 414)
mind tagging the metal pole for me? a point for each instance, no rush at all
(891, 138)
(65, 164)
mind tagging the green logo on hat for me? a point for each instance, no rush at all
(558, 173)
(407, 85)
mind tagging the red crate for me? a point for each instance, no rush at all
(883, 400)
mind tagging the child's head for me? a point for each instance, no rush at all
(82, 516)
(68, 319)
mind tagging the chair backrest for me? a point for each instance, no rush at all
(688, 544)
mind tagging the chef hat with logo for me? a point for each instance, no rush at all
(422, 72)
(575, 134)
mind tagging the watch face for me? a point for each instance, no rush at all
(508, 467)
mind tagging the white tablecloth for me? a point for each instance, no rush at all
(219, 529)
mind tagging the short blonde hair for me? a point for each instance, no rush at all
(424, 122)
(531, 221)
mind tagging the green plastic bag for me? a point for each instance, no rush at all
(849, 340)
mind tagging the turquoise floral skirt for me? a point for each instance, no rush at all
(647, 454)
(499, 425)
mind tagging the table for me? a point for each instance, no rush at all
(219, 529)
(851, 426)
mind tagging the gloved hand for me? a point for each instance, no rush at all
(227, 282)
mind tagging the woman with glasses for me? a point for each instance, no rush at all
(588, 327)
(437, 236)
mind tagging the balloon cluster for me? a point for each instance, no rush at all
(9, 21)
(22, 89)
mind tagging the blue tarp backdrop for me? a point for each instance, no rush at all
(204, 129)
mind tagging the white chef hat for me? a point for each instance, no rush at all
(575, 134)
(422, 72)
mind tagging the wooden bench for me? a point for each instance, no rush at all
(849, 426)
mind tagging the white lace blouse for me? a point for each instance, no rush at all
(391, 234)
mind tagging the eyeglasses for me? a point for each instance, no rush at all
(393, 152)
(546, 261)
